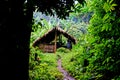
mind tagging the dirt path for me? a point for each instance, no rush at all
(65, 73)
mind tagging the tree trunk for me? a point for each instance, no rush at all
(14, 40)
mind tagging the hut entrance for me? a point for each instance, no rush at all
(60, 42)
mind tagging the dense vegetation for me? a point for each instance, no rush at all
(96, 54)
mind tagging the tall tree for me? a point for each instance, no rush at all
(15, 30)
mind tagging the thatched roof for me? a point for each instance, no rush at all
(50, 36)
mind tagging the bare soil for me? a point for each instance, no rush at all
(64, 72)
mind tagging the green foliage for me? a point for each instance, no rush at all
(63, 50)
(75, 62)
(104, 41)
(44, 68)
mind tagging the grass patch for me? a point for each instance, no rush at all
(45, 68)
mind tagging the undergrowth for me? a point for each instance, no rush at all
(45, 68)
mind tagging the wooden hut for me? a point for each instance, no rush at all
(49, 42)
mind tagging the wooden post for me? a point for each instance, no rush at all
(55, 42)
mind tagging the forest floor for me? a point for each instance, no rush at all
(64, 72)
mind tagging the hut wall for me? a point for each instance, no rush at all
(47, 47)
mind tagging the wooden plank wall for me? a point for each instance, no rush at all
(47, 48)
